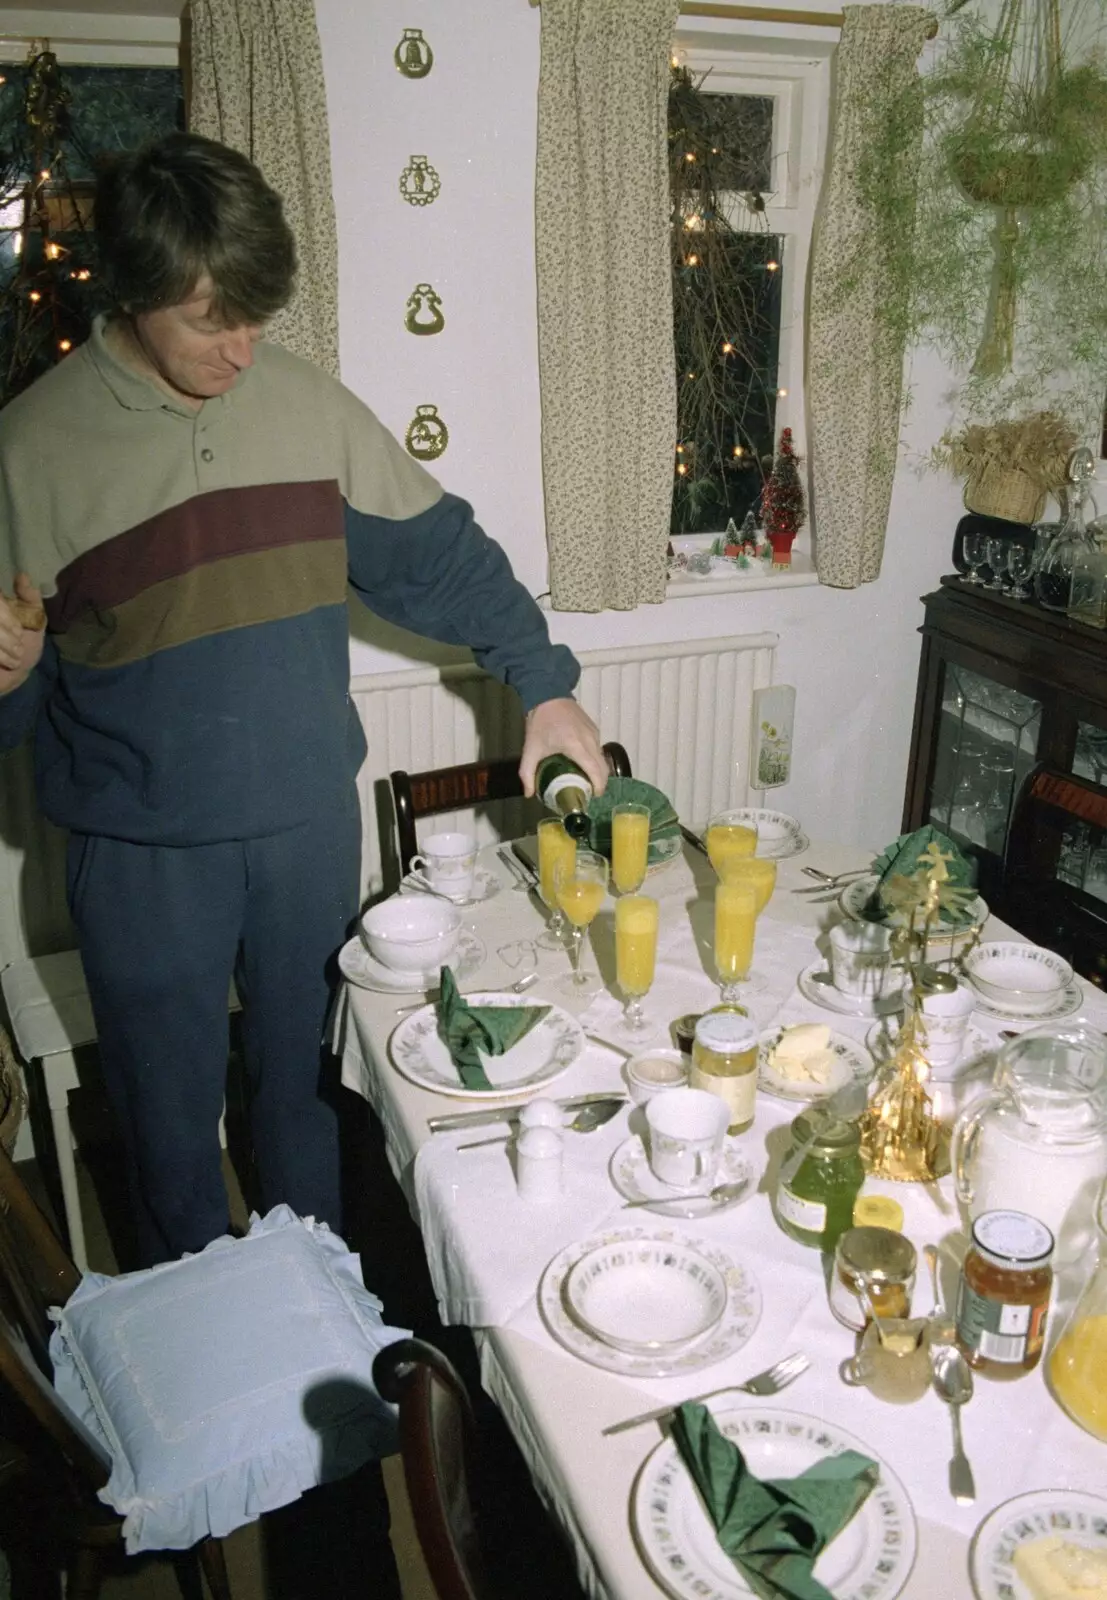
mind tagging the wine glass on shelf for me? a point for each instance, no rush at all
(581, 886)
(630, 846)
(1020, 564)
(728, 840)
(735, 921)
(995, 557)
(974, 550)
(636, 919)
(554, 847)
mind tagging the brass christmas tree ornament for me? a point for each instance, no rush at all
(413, 55)
(423, 300)
(419, 183)
(427, 435)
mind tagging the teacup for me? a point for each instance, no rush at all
(861, 958)
(448, 863)
(945, 1017)
(686, 1132)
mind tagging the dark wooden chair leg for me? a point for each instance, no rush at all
(213, 1564)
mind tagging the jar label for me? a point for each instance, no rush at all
(739, 1094)
(996, 1329)
(807, 1215)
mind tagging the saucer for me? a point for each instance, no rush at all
(852, 1066)
(632, 1176)
(485, 885)
(1065, 1005)
(815, 985)
(364, 971)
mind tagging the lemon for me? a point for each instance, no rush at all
(877, 1211)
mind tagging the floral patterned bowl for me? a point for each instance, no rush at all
(1018, 977)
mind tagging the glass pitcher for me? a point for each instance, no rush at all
(1069, 548)
(1038, 1142)
(1079, 1358)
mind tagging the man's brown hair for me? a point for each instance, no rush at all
(184, 208)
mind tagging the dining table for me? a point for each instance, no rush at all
(491, 1252)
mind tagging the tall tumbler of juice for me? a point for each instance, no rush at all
(630, 845)
(636, 918)
(555, 849)
(728, 842)
(735, 920)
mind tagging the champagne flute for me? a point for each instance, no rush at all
(735, 920)
(554, 846)
(581, 886)
(758, 872)
(728, 840)
(636, 918)
(630, 845)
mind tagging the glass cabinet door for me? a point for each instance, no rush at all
(1083, 858)
(986, 744)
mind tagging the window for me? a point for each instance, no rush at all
(771, 98)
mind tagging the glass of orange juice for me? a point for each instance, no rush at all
(728, 841)
(554, 847)
(636, 917)
(735, 920)
(581, 886)
(630, 845)
(757, 871)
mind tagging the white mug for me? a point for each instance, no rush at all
(861, 958)
(686, 1128)
(448, 862)
(945, 1018)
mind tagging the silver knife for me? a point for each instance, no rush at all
(525, 863)
(493, 1114)
(513, 867)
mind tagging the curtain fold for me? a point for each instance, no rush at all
(605, 308)
(257, 84)
(854, 359)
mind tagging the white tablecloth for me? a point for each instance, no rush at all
(487, 1249)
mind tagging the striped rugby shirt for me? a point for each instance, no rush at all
(194, 686)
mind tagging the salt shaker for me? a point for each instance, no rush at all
(538, 1156)
(541, 1114)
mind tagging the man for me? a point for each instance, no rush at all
(192, 503)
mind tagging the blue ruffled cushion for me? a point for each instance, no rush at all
(226, 1383)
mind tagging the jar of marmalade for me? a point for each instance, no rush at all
(1004, 1293)
(724, 1062)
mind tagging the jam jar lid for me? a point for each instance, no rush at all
(1012, 1239)
(837, 1136)
(726, 1032)
(878, 1253)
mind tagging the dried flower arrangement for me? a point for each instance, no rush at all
(1010, 466)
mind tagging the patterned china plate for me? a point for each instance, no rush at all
(543, 1054)
(485, 885)
(631, 1175)
(871, 1559)
(815, 985)
(853, 1063)
(1069, 1001)
(778, 835)
(364, 971)
(1065, 1513)
(736, 1326)
(855, 895)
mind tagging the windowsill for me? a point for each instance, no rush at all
(800, 575)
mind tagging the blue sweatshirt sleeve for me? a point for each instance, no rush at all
(439, 575)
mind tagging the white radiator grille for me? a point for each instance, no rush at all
(681, 710)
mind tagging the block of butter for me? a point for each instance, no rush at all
(1056, 1569)
(801, 1053)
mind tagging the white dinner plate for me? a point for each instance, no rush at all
(632, 1176)
(853, 1065)
(543, 1054)
(1068, 1002)
(364, 971)
(485, 885)
(1070, 1515)
(815, 985)
(735, 1327)
(855, 895)
(871, 1559)
(778, 835)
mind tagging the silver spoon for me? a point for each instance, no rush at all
(591, 1116)
(952, 1378)
(829, 880)
(718, 1196)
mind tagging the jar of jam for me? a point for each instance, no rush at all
(1004, 1293)
(683, 1030)
(815, 1205)
(881, 1263)
(724, 1062)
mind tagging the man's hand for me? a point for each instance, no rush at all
(561, 726)
(22, 633)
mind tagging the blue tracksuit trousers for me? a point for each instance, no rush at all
(161, 930)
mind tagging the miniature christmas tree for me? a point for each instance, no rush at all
(783, 507)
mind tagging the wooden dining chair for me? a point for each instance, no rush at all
(427, 794)
(438, 1439)
(1049, 805)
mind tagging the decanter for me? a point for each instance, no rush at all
(1072, 545)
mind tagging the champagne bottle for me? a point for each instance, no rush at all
(563, 788)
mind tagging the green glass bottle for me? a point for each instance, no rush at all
(563, 789)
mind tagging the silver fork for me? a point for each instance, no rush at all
(771, 1381)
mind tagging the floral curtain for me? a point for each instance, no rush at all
(257, 84)
(855, 360)
(605, 309)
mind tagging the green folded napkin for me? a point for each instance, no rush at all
(774, 1529)
(467, 1030)
(632, 791)
(903, 857)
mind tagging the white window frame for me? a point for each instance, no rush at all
(796, 73)
(81, 39)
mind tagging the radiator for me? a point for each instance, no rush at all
(681, 710)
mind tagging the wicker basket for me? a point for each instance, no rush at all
(13, 1095)
(1005, 492)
